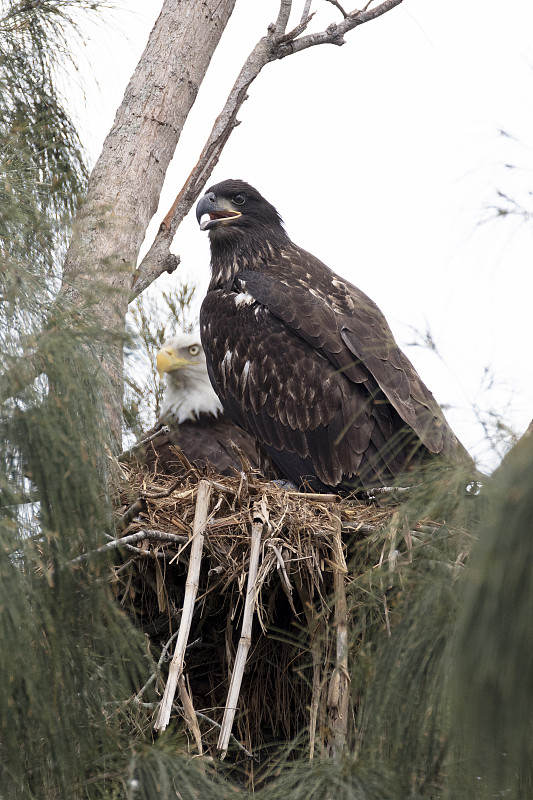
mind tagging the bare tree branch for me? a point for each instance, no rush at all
(280, 26)
(110, 227)
(125, 184)
(305, 12)
(160, 536)
(275, 45)
(334, 33)
(341, 9)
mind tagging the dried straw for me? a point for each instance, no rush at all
(263, 614)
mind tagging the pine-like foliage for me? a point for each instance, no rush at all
(41, 163)
(152, 321)
(441, 653)
(70, 660)
(492, 676)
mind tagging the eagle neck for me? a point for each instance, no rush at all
(249, 251)
(186, 397)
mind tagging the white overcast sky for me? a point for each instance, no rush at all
(382, 156)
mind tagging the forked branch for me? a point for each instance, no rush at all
(275, 45)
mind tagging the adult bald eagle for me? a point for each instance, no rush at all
(191, 416)
(304, 361)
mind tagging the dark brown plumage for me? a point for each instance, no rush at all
(192, 417)
(304, 361)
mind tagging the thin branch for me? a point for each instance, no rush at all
(305, 12)
(315, 625)
(339, 687)
(260, 521)
(232, 737)
(300, 28)
(164, 492)
(200, 715)
(153, 676)
(126, 454)
(145, 553)
(341, 9)
(160, 536)
(271, 47)
(334, 33)
(191, 588)
(130, 513)
(316, 498)
(280, 26)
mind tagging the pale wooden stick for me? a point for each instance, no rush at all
(259, 521)
(316, 498)
(339, 687)
(191, 587)
(314, 627)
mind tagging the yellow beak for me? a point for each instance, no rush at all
(168, 361)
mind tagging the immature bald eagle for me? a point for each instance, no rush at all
(191, 416)
(304, 361)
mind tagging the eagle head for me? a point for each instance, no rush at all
(188, 390)
(234, 206)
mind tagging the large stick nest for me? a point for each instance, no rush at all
(294, 590)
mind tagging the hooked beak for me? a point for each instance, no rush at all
(168, 361)
(212, 210)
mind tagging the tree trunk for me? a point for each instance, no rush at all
(126, 182)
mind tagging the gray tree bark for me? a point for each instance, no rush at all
(99, 275)
(126, 182)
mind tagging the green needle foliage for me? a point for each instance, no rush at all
(42, 171)
(71, 661)
(441, 654)
(492, 677)
(152, 321)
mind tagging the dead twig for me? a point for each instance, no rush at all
(275, 45)
(154, 675)
(191, 588)
(305, 12)
(259, 522)
(127, 454)
(160, 536)
(314, 626)
(316, 498)
(339, 686)
(341, 9)
(130, 513)
(163, 492)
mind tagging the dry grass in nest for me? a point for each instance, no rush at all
(295, 677)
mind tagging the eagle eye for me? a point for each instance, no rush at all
(194, 349)
(238, 199)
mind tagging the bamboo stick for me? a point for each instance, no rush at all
(339, 687)
(259, 521)
(191, 588)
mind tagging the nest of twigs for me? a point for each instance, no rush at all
(283, 610)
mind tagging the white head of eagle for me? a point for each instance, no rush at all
(306, 362)
(188, 390)
(191, 417)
